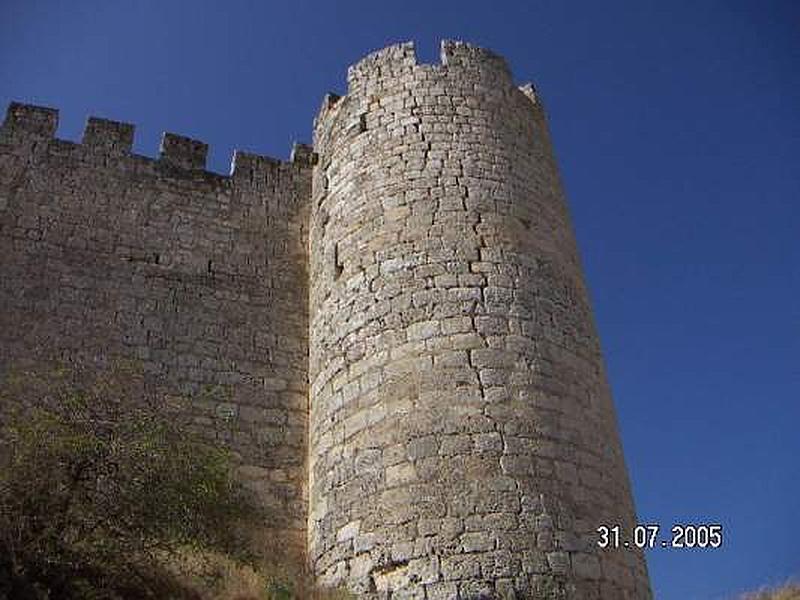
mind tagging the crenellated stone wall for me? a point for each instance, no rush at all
(391, 329)
(105, 254)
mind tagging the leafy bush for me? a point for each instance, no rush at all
(101, 488)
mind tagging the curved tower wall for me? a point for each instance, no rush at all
(463, 441)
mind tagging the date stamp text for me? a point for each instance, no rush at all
(651, 536)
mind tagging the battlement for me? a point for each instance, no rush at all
(24, 120)
(183, 152)
(399, 58)
(455, 53)
(393, 59)
(108, 136)
(390, 69)
(180, 154)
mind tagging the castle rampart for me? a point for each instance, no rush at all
(201, 277)
(415, 382)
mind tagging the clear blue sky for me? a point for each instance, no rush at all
(677, 128)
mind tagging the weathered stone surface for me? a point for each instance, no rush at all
(391, 329)
(443, 264)
(105, 254)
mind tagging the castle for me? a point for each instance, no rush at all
(398, 314)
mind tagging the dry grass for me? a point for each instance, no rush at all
(788, 591)
(213, 576)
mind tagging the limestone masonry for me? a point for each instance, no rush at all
(394, 322)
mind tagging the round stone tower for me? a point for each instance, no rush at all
(463, 442)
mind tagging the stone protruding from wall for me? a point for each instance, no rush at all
(463, 441)
(201, 280)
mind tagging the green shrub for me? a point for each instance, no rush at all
(101, 485)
